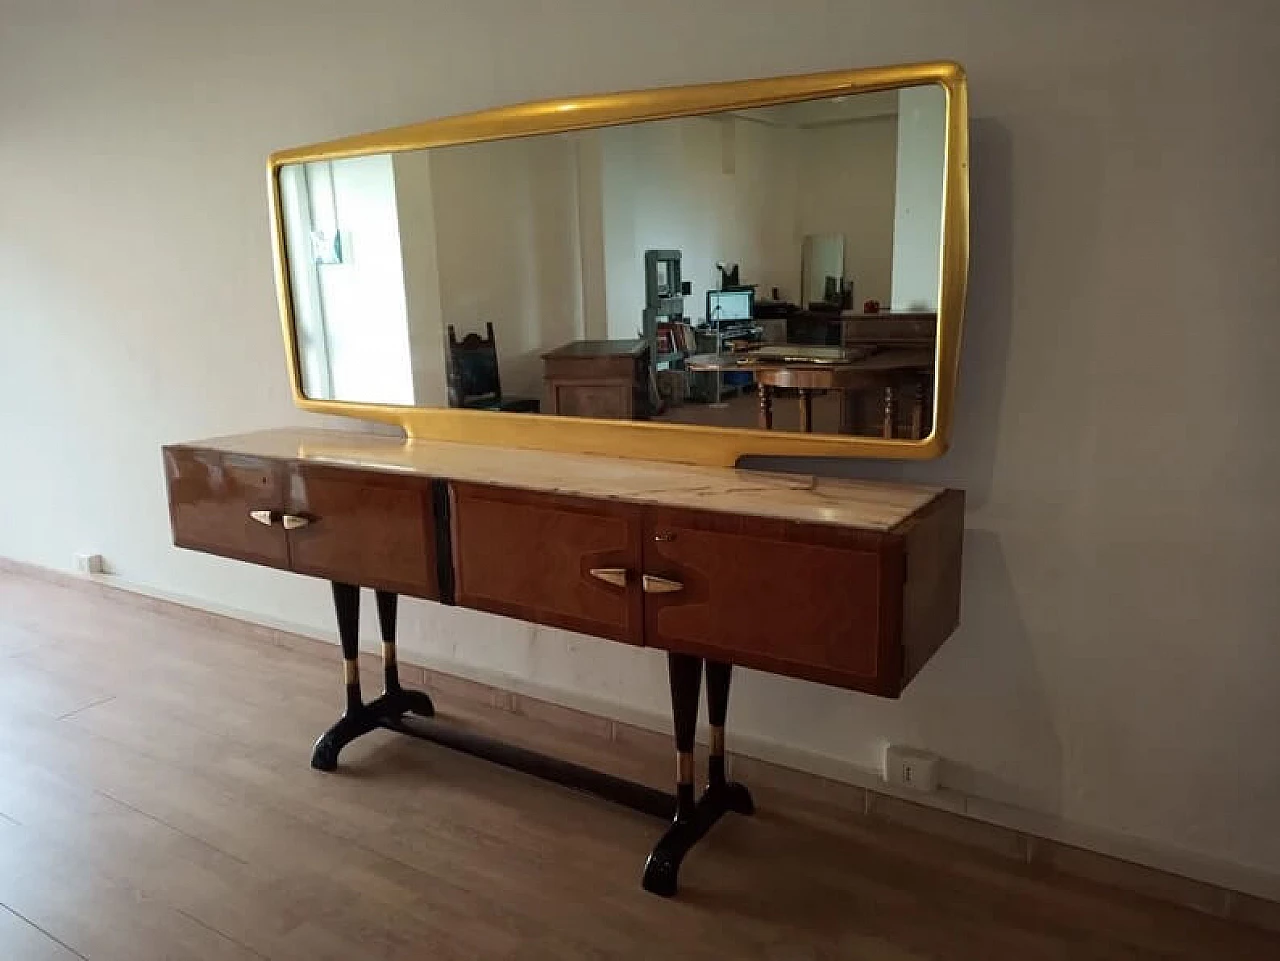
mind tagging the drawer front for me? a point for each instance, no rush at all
(806, 601)
(211, 496)
(368, 529)
(531, 555)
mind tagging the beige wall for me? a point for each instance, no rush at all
(919, 188)
(506, 225)
(415, 210)
(846, 187)
(1116, 669)
(719, 191)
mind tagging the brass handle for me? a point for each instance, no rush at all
(266, 518)
(664, 537)
(659, 585)
(292, 522)
(617, 576)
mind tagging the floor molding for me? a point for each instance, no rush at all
(826, 788)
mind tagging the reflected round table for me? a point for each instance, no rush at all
(887, 371)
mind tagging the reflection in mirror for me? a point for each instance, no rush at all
(775, 267)
(822, 270)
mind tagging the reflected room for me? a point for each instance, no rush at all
(772, 268)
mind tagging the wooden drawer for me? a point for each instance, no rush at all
(371, 529)
(211, 496)
(530, 555)
(822, 603)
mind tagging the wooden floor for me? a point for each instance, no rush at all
(156, 803)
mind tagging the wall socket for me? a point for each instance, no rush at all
(909, 768)
(91, 564)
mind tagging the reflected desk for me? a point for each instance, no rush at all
(888, 371)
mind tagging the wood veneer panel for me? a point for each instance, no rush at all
(210, 497)
(529, 555)
(934, 541)
(821, 603)
(371, 529)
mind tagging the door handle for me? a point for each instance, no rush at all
(266, 518)
(659, 585)
(292, 522)
(617, 576)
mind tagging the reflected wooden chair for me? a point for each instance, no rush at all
(474, 380)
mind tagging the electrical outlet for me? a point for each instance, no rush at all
(909, 768)
(91, 564)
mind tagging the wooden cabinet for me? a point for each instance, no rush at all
(533, 556)
(859, 605)
(597, 378)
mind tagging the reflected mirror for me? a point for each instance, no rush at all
(775, 268)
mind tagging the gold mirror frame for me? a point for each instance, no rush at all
(679, 443)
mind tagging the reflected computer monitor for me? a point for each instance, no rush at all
(729, 305)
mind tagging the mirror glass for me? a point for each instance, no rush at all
(774, 268)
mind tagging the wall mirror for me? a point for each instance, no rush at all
(691, 274)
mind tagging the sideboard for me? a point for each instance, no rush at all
(847, 583)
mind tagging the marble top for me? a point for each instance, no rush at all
(874, 505)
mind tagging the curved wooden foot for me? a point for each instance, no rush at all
(324, 756)
(662, 869)
(398, 703)
(694, 819)
(385, 711)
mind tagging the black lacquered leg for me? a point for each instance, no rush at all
(387, 605)
(693, 820)
(736, 797)
(360, 718)
(396, 701)
(390, 710)
(355, 720)
(346, 605)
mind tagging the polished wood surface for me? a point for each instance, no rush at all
(875, 505)
(176, 820)
(364, 528)
(531, 556)
(211, 497)
(822, 603)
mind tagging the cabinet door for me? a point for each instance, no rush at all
(531, 556)
(365, 528)
(211, 497)
(821, 603)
